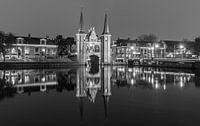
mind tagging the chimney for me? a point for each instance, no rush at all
(29, 35)
(47, 37)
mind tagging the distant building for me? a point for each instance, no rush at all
(124, 49)
(27, 48)
(180, 49)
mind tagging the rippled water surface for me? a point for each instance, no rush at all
(99, 96)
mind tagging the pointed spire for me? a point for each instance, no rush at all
(106, 102)
(81, 108)
(81, 25)
(106, 27)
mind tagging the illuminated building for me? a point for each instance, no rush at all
(90, 47)
(27, 48)
(125, 49)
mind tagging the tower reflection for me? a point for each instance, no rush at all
(90, 81)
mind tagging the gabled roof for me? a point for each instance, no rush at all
(124, 42)
(172, 44)
(177, 43)
(35, 40)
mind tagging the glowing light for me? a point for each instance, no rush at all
(181, 82)
(181, 46)
(132, 47)
(164, 87)
(132, 81)
(43, 50)
(156, 86)
(43, 79)
(156, 45)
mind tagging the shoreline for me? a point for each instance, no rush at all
(37, 65)
(74, 64)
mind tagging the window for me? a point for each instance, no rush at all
(106, 38)
(27, 79)
(96, 48)
(43, 41)
(36, 79)
(13, 51)
(36, 50)
(27, 50)
(118, 50)
(20, 40)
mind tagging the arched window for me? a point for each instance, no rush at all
(96, 48)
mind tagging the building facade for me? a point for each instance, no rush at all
(180, 49)
(92, 49)
(125, 49)
(31, 48)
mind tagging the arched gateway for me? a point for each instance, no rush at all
(92, 49)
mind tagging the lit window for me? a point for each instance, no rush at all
(43, 79)
(27, 50)
(27, 79)
(13, 51)
(118, 50)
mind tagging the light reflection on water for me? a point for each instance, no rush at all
(99, 96)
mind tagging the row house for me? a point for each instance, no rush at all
(27, 48)
(180, 49)
(124, 49)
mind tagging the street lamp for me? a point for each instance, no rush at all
(156, 45)
(132, 47)
(181, 49)
(181, 46)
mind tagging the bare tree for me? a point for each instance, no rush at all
(150, 38)
(6, 41)
(197, 46)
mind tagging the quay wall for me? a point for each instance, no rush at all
(37, 65)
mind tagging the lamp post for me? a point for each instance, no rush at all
(182, 50)
(132, 50)
(156, 47)
(174, 51)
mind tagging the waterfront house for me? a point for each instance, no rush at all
(124, 49)
(180, 49)
(31, 48)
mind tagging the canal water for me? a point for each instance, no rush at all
(99, 96)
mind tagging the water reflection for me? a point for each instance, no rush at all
(152, 78)
(92, 82)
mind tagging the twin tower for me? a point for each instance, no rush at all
(92, 49)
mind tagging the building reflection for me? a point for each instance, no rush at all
(151, 78)
(87, 83)
(29, 80)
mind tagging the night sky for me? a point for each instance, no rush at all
(168, 19)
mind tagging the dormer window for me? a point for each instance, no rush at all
(20, 40)
(43, 42)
